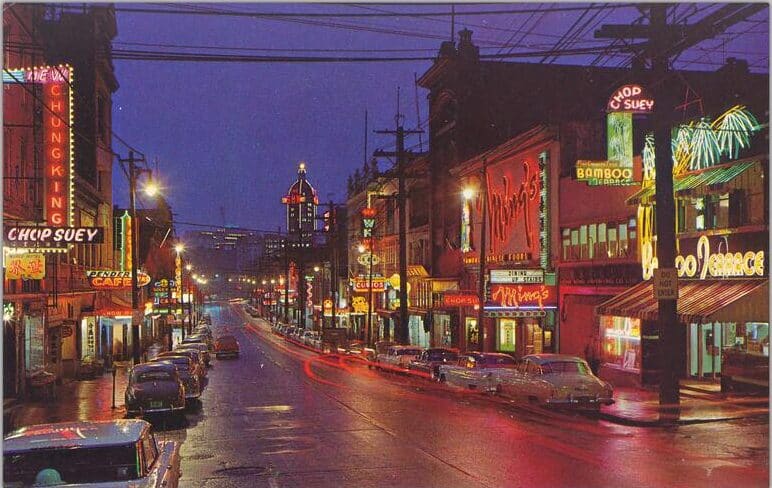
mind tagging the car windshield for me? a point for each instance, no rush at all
(227, 340)
(116, 463)
(147, 376)
(570, 367)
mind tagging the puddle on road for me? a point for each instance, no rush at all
(270, 408)
(242, 471)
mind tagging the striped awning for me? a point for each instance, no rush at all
(686, 184)
(698, 301)
(416, 271)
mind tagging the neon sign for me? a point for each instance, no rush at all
(523, 295)
(115, 279)
(706, 264)
(631, 98)
(58, 150)
(508, 206)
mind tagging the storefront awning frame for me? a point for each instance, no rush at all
(733, 300)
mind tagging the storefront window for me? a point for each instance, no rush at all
(418, 337)
(88, 337)
(621, 341)
(472, 334)
(757, 338)
(507, 335)
(34, 347)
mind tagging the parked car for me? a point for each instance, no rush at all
(430, 360)
(356, 347)
(202, 349)
(203, 330)
(193, 338)
(187, 372)
(154, 388)
(558, 380)
(381, 347)
(226, 345)
(478, 371)
(309, 336)
(397, 356)
(199, 369)
(90, 453)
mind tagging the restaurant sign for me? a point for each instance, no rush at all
(37, 236)
(706, 264)
(523, 296)
(363, 284)
(517, 276)
(27, 266)
(631, 98)
(115, 279)
(459, 299)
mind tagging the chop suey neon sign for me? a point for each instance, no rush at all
(706, 264)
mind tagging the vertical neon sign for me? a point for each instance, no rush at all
(57, 130)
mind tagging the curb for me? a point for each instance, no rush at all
(632, 422)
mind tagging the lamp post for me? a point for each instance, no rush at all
(179, 248)
(468, 195)
(191, 314)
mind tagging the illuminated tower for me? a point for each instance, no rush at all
(301, 201)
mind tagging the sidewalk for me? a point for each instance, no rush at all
(79, 399)
(700, 402)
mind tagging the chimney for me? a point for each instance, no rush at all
(466, 49)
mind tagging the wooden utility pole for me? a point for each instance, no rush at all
(402, 158)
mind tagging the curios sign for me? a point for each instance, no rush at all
(115, 279)
(523, 296)
(631, 98)
(44, 236)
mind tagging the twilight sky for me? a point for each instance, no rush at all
(230, 135)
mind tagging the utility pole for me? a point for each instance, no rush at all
(333, 262)
(286, 280)
(402, 156)
(133, 170)
(666, 40)
(481, 283)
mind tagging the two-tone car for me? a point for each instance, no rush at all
(154, 388)
(557, 380)
(429, 361)
(112, 453)
(478, 371)
(397, 357)
(202, 349)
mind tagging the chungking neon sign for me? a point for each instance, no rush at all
(706, 264)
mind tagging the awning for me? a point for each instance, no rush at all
(509, 314)
(416, 271)
(689, 182)
(742, 300)
(387, 313)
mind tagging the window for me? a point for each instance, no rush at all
(613, 244)
(602, 246)
(592, 240)
(623, 244)
(150, 451)
(583, 251)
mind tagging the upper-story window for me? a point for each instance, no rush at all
(716, 211)
(616, 240)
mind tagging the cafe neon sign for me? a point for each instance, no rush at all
(706, 265)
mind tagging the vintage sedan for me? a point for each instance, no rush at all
(478, 371)
(397, 357)
(202, 349)
(154, 388)
(558, 380)
(113, 453)
(430, 360)
(187, 372)
(226, 345)
(199, 368)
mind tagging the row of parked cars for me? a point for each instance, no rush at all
(543, 379)
(122, 452)
(310, 338)
(175, 379)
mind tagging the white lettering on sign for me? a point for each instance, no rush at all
(631, 98)
(706, 264)
(79, 235)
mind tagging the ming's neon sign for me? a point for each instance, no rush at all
(512, 205)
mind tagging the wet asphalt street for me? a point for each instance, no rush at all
(280, 416)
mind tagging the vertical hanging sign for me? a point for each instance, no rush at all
(57, 121)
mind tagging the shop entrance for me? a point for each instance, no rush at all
(472, 334)
(533, 340)
(705, 343)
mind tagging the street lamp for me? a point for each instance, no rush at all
(469, 193)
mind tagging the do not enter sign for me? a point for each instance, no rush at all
(666, 284)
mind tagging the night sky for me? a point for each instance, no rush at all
(230, 135)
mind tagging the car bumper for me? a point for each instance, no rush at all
(164, 409)
(226, 353)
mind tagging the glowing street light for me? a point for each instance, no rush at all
(468, 193)
(361, 248)
(179, 247)
(151, 188)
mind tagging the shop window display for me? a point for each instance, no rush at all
(507, 335)
(621, 341)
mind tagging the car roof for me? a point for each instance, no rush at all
(226, 337)
(87, 433)
(144, 367)
(546, 358)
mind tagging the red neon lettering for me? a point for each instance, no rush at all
(508, 207)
